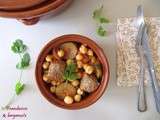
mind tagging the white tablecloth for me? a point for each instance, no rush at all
(116, 103)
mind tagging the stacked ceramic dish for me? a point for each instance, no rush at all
(29, 11)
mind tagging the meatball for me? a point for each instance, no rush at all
(56, 71)
(89, 83)
(70, 50)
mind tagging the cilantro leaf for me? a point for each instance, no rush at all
(19, 87)
(25, 62)
(100, 19)
(101, 31)
(97, 15)
(70, 72)
(73, 76)
(18, 46)
(103, 20)
(98, 12)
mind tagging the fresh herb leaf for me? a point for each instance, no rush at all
(101, 31)
(70, 72)
(103, 20)
(73, 77)
(25, 62)
(100, 19)
(19, 87)
(18, 46)
(97, 13)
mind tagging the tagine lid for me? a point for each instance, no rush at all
(19, 4)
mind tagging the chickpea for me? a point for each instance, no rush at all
(58, 83)
(75, 83)
(68, 100)
(60, 53)
(83, 49)
(77, 98)
(69, 61)
(90, 52)
(79, 64)
(45, 78)
(80, 92)
(79, 57)
(49, 58)
(53, 89)
(54, 83)
(85, 66)
(89, 69)
(45, 65)
(93, 60)
(98, 73)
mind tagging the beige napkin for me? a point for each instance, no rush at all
(127, 59)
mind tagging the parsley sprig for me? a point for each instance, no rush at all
(101, 31)
(18, 47)
(70, 72)
(25, 60)
(101, 20)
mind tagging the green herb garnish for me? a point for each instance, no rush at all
(19, 48)
(97, 13)
(70, 72)
(103, 20)
(100, 19)
(25, 60)
(101, 31)
(19, 87)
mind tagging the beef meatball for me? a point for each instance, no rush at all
(89, 83)
(70, 50)
(56, 71)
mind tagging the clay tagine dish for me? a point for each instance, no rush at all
(30, 11)
(72, 72)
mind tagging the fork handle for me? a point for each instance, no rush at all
(142, 105)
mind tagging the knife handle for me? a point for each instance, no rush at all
(154, 82)
(156, 89)
(157, 101)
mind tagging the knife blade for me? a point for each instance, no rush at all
(151, 69)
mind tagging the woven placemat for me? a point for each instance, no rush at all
(127, 58)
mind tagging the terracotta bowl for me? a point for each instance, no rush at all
(31, 15)
(44, 88)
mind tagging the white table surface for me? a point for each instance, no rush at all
(116, 103)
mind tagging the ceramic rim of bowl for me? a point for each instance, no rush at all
(93, 97)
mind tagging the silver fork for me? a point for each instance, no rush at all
(142, 106)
